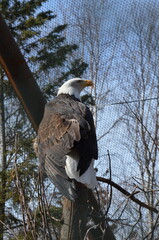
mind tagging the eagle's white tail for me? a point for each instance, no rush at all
(88, 178)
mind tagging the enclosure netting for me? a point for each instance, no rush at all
(120, 42)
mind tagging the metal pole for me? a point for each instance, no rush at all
(20, 76)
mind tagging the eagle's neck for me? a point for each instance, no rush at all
(70, 91)
(68, 96)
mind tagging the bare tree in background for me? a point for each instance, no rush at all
(141, 83)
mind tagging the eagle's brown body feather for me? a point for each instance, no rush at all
(67, 126)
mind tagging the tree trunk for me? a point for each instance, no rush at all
(83, 218)
(75, 216)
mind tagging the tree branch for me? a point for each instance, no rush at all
(126, 193)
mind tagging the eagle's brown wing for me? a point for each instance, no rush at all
(62, 129)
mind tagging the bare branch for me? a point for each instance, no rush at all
(126, 193)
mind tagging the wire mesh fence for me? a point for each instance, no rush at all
(119, 40)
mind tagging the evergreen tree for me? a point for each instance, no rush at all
(24, 204)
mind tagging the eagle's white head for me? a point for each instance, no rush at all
(74, 87)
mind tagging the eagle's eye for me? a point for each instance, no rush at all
(79, 81)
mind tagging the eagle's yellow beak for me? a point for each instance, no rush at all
(88, 83)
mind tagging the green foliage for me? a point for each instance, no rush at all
(55, 213)
(45, 49)
(76, 69)
(53, 58)
(88, 99)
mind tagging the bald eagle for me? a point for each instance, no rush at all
(66, 144)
